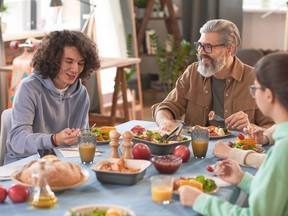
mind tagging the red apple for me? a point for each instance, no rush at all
(3, 193)
(18, 193)
(183, 152)
(141, 151)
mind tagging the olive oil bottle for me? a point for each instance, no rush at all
(42, 196)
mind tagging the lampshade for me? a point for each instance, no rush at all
(56, 3)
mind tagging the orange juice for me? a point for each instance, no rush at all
(199, 148)
(87, 152)
(161, 193)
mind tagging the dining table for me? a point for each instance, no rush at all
(136, 197)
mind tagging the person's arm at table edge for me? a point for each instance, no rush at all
(211, 205)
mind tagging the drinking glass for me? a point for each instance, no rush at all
(87, 145)
(200, 140)
(162, 188)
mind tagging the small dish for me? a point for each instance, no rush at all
(87, 209)
(166, 164)
(122, 178)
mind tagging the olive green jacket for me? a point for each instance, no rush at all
(192, 96)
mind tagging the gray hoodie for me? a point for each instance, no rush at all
(40, 110)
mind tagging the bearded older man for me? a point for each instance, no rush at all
(218, 82)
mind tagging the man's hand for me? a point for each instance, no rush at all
(237, 121)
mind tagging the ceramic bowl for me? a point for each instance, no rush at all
(166, 164)
(122, 178)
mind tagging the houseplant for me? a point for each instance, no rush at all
(3, 10)
(173, 57)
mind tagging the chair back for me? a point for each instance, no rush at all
(249, 56)
(6, 126)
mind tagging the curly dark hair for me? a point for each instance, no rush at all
(47, 59)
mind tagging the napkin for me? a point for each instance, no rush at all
(74, 152)
(6, 171)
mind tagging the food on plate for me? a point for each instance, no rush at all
(141, 151)
(58, 173)
(118, 167)
(140, 132)
(217, 131)
(103, 132)
(245, 143)
(204, 184)
(183, 152)
(99, 212)
(18, 193)
(3, 193)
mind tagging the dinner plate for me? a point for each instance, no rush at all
(259, 148)
(218, 137)
(210, 192)
(85, 177)
(103, 142)
(86, 209)
(219, 182)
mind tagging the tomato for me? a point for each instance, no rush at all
(139, 130)
(244, 147)
(241, 136)
(209, 168)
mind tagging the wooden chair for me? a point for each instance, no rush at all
(6, 126)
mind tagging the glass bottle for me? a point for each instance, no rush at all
(42, 196)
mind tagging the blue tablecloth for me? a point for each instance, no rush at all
(136, 197)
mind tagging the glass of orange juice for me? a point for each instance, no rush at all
(162, 188)
(87, 142)
(200, 140)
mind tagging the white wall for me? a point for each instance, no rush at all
(264, 33)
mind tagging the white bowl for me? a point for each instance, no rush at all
(122, 178)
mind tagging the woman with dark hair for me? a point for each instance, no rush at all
(268, 188)
(51, 105)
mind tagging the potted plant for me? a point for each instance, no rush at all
(140, 6)
(172, 59)
(3, 10)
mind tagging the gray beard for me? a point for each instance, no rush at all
(216, 65)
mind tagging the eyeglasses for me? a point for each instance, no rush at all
(253, 89)
(206, 47)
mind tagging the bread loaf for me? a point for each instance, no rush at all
(58, 173)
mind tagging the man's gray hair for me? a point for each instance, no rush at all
(227, 30)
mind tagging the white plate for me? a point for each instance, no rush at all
(85, 208)
(218, 137)
(103, 142)
(219, 182)
(85, 177)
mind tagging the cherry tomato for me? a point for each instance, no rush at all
(209, 168)
(244, 147)
(241, 136)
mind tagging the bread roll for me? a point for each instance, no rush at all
(58, 173)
